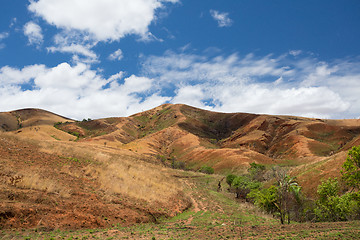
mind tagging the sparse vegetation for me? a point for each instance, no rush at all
(206, 169)
(351, 168)
(331, 205)
(111, 186)
(175, 164)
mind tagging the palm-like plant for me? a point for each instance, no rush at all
(288, 189)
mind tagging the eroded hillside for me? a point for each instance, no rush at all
(50, 181)
(175, 136)
(222, 140)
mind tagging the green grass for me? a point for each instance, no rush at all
(218, 215)
(149, 124)
(56, 138)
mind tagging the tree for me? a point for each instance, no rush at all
(351, 168)
(332, 207)
(257, 171)
(230, 178)
(243, 185)
(280, 199)
(266, 199)
(289, 194)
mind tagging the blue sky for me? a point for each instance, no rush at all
(102, 58)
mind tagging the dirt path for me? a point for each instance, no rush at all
(196, 203)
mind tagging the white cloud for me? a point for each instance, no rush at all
(304, 87)
(100, 20)
(34, 33)
(75, 91)
(273, 85)
(295, 52)
(117, 55)
(190, 95)
(13, 22)
(77, 49)
(11, 76)
(222, 19)
(3, 35)
(134, 84)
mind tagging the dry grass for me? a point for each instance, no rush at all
(117, 171)
(34, 181)
(137, 180)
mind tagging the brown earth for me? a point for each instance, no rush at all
(228, 142)
(56, 183)
(59, 173)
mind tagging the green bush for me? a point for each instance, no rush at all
(257, 171)
(243, 185)
(332, 207)
(351, 168)
(282, 199)
(206, 169)
(230, 178)
(266, 199)
(57, 124)
(178, 164)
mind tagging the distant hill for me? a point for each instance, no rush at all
(228, 142)
(14, 120)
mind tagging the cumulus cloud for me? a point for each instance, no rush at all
(14, 77)
(222, 19)
(258, 84)
(100, 20)
(34, 33)
(117, 55)
(77, 50)
(75, 91)
(272, 85)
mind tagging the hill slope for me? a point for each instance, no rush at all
(192, 135)
(174, 135)
(49, 182)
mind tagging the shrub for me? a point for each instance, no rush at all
(351, 168)
(243, 185)
(162, 158)
(57, 124)
(257, 171)
(207, 170)
(332, 207)
(266, 199)
(178, 164)
(230, 178)
(281, 200)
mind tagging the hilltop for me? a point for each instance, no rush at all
(228, 142)
(52, 164)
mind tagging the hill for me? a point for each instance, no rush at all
(49, 181)
(117, 170)
(228, 142)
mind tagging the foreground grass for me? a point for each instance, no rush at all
(214, 215)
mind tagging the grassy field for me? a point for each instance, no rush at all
(214, 215)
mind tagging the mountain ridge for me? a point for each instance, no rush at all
(123, 164)
(191, 134)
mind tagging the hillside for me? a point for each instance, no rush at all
(49, 181)
(228, 142)
(50, 164)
